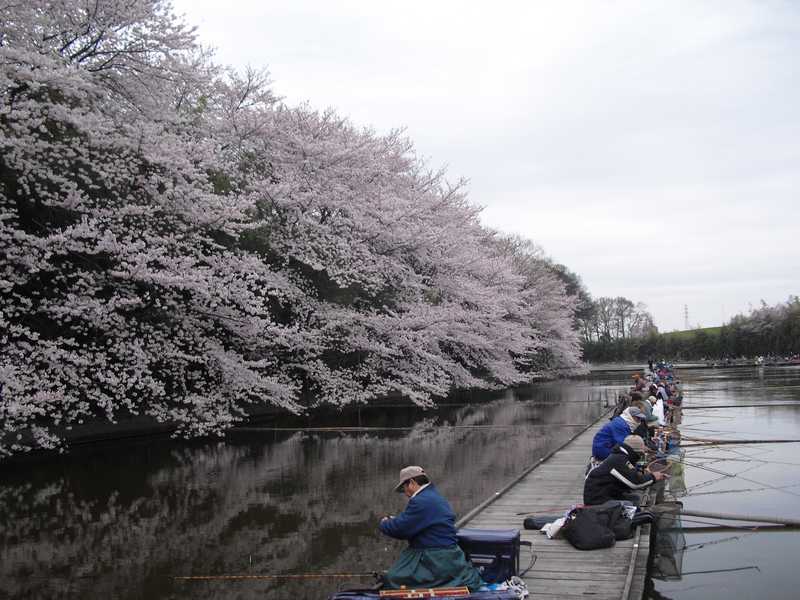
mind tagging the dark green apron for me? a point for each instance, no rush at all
(432, 567)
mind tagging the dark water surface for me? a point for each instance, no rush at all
(119, 520)
(759, 479)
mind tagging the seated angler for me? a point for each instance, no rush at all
(615, 431)
(658, 410)
(662, 391)
(617, 478)
(646, 429)
(433, 557)
(638, 382)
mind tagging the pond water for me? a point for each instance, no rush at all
(120, 520)
(756, 479)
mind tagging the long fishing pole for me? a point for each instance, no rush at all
(712, 459)
(717, 528)
(721, 571)
(698, 546)
(761, 405)
(348, 429)
(718, 472)
(742, 490)
(751, 518)
(690, 429)
(274, 577)
(700, 450)
(699, 442)
(706, 483)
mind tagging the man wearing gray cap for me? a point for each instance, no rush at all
(433, 557)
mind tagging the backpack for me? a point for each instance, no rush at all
(585, 530)
(612, 516)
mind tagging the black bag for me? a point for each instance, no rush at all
(538, 522)
(584, 530)
(612, 515)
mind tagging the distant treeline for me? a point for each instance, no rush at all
(765, 331)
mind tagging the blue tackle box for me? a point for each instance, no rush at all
(494, 552)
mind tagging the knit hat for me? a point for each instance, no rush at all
(633, 416)
(647, 409)
(636, 413)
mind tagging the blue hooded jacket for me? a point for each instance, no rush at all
(611, 434)
(427, 522)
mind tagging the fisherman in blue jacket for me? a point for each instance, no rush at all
(433, 557)
(615, 431)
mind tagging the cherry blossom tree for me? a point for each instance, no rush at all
(123, 289)
(179, 244)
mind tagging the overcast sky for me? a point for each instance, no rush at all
(652, 147)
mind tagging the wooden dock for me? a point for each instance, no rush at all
(550, 488)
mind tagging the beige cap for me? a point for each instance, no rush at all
(407, 473)
(634, 442)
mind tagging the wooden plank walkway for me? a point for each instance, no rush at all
(561, 571)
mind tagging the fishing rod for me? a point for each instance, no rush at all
(691, 429)
(733, 538)
(700, 450)
(718, 472)
(348, 429)
(739, 491)
(705, 484)
(717, 528)
(275, 577)
(761, 405)
(733, 517)
(695, 426)
(711, 459)
(721, 570)
(722, 527)
(716, 418)
(715, 442)
(773, 522)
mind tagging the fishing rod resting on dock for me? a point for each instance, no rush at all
(300, 576)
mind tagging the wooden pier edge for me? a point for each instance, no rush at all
(551, 486)
(467, 517)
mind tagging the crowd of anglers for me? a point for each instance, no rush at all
(643, 422)
(434, 560)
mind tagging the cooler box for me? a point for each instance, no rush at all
(494, 552)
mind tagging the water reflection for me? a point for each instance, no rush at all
(718, 563)
(119, 521)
